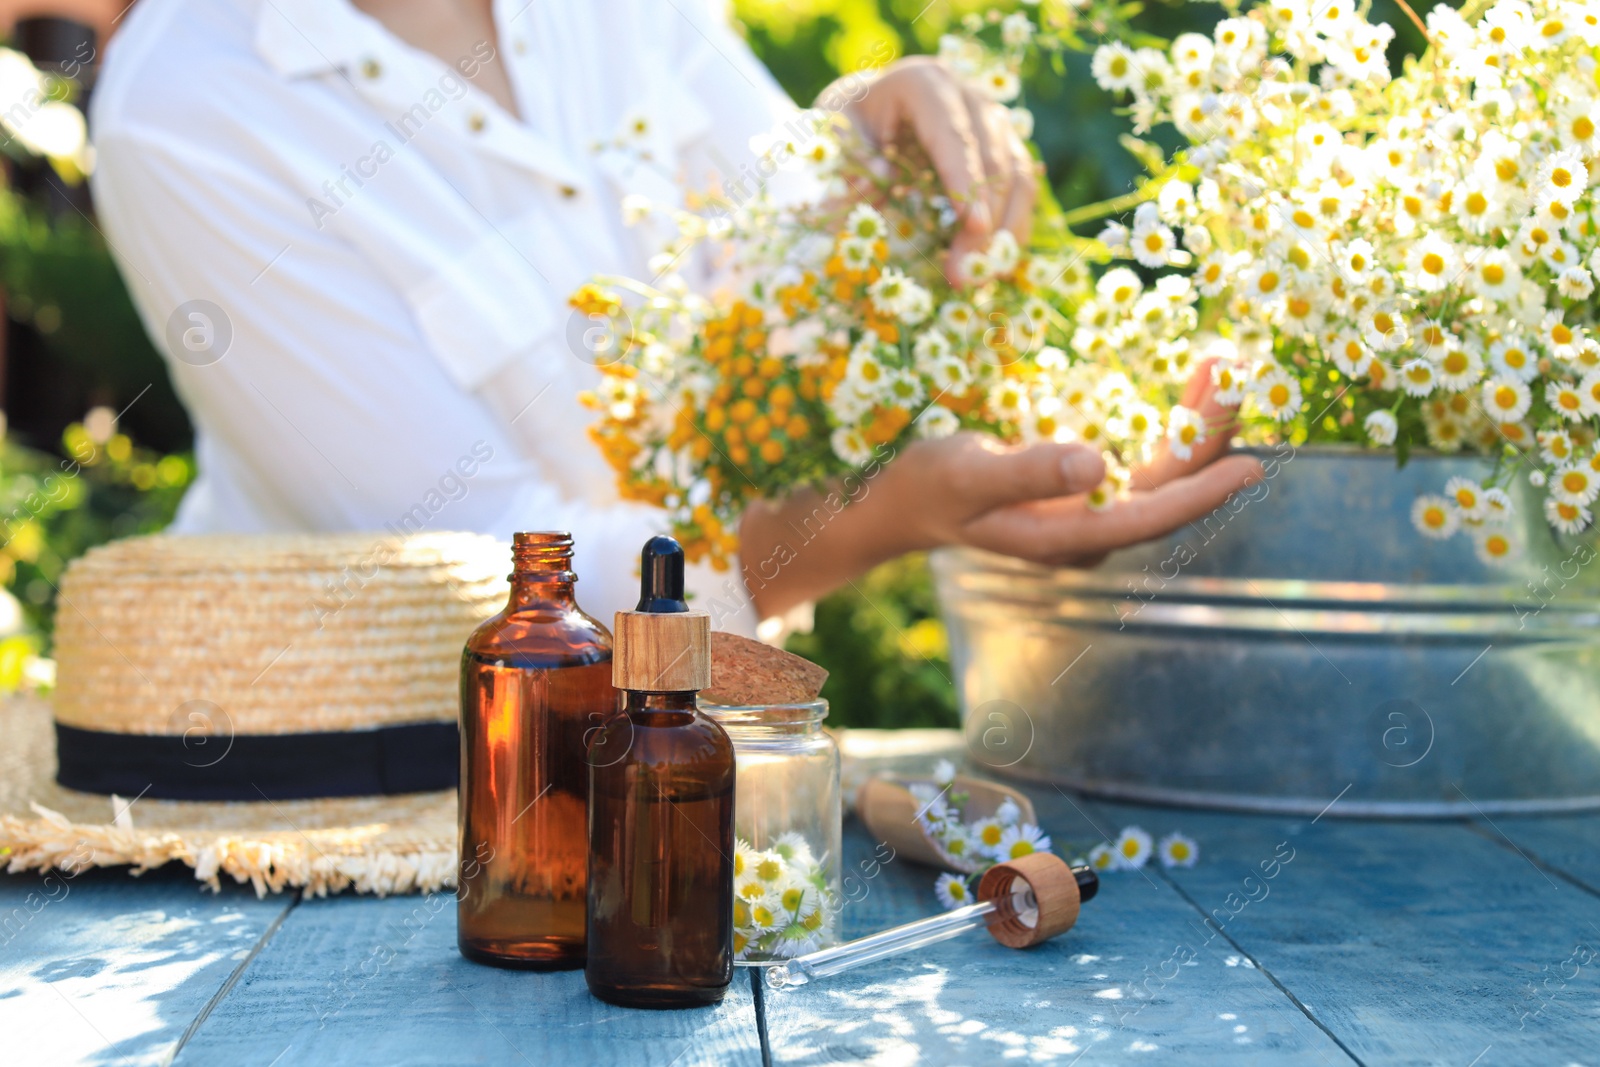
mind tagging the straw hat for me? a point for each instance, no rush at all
(281, 709)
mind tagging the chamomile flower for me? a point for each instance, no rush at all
(952, 891)
(1277, 395)
(977, 268)
(987, 835)
(1186, 428)
(857, 254)
(1008, 812)
(1561, 339)
(1133, 847)
(1153, 244)
(794, 849)
(957, 844)
(1493, 546)
(1495, 275)
(1119, 287)
(1468, 497)
(1575, 283)
(1023, 839)
(1565, 516)
(1555, 446)
(1506, 399)
(1565, 399)
(1564, 176)
(1431, 263)
(766, 913)
(1113, 67)
(1418, 377)
(1459, 369)
(743, 858)
(1004, 252)
(1104, 858)
(1435, 516)
(866, 224)
(799, 898)
(1589, 393)
(1574, 484)
(959, 317)
(1176, 850)
(1230, 384)
(1497, 505)
(936, 422)
(1510, 356)
(1381, 428)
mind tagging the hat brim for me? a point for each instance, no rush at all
(381, 845)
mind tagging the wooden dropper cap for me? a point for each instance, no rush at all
(1058, 890)
(662, 646)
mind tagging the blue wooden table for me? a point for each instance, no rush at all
(1454, 943)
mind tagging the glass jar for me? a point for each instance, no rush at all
(787, 829)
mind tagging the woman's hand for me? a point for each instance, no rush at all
(983, 164)
(1026, 501)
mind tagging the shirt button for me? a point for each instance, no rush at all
(477, 121)
(370, 68)
(569, 191)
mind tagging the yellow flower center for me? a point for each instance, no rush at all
(1433, 263)
(1560, 177)
(1269, 281)
(1497, 545)
(1467, 498)
(1433, 517)
(1278, 395)
(1494, 273)
(769, 870)
(1477, 203)
(1505, 398)
(991, 835)
(1574, 482)
(1154, 242)
(1561, 333)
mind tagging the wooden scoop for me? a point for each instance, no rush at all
(885, 804)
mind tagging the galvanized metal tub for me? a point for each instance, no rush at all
(1303, 650)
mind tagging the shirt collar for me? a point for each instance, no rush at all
(308, 38)
(298, 38)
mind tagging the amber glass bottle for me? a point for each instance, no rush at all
(535, 679)
(661, 811)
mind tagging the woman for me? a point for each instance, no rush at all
(354, 226)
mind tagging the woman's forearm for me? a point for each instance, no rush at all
(801, 547)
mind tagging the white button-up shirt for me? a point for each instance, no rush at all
(358, 263)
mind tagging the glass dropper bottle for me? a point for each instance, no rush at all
(1021, 902)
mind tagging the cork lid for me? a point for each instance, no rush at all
(661, 646)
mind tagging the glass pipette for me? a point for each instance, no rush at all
(1017, 909)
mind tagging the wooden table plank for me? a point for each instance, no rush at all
(105, 968)
(1413, 943)
(353, 980)
(1569, 844)
(1110, 991)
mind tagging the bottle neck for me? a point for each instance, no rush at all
(660, 709)
(541, 573)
